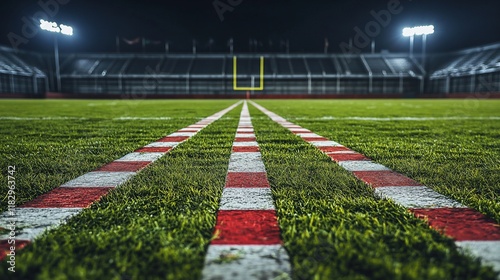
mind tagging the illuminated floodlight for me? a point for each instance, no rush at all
(407, 32)
(56, 28)
(49, 26)
(418, 30)
(424, 30)
(66, 30)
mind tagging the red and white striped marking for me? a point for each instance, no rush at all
(247, 242)
(470, 229)
(55, 207)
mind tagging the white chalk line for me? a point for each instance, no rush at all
(355, 118)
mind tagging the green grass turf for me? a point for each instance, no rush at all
(459, 158)
(48, 152)
(156, 226)
(334, 227)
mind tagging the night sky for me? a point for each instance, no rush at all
(270, 23)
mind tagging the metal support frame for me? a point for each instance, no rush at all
(56, 56)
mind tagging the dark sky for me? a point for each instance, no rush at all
(458, 23)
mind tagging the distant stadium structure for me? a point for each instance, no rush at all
(32, 74)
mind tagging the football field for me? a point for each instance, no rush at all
(333, 222)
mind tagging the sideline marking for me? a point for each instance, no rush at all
(51, 209)
(469, 228)
(247, 242)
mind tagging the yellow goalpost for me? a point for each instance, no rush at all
(261, 76)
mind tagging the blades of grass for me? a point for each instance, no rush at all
(334, 227)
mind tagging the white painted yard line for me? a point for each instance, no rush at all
(8, 118)
(246, 162)
(141, 156)
(362, 165)
(301, 130)
(162, 144)
(400, 118)
(142, 118)
(32, 222)
(308, 135)
(325, 143)
(182, 134)
(417, 197)
(245, 144)
(189, 129)
(247, 262)
(246, 199)
(489, 251)
(100, 179)
(245, 135)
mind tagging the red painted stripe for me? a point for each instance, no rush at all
(67, 198)
(5, 247)
(302, 131)
(124, 166)
(245, 149)
(385, 178)
(333, 149)
(460, 223)
(173, 139)
(247, 180)
(187, 130)
(153, 150)
(240, 227)
(343, 157)
(309, 139)
(244, 139)
(75, 197)
(246, 132)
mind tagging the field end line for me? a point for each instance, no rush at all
(247, 242)
(470, 229)
(54, 208)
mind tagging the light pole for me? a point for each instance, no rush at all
(420, 31)
(56, 28)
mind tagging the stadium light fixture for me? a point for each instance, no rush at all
(56, 28)
(423, 31)
(66, 30)
(61, 29)
(408, 31)
(418, 30)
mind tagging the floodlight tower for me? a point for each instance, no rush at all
(61, 29)
(420, 31)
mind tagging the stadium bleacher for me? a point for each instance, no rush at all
(381, 74)
(284, 74)
(468, 71)
(18, 75)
